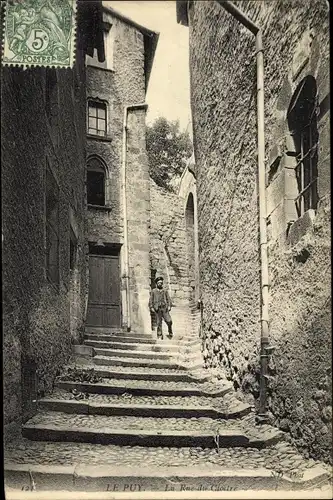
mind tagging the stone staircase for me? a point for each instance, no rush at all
(133, 413)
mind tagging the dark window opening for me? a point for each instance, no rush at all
(108, 48)
(302, 121)
(52, 228)
(95, 183)
(72, 250)
(104, 249)
(189, 212)
(96, 118)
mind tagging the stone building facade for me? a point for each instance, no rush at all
(43, 220)
(117, 174)
(297, 103)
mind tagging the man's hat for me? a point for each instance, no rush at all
(159, 278)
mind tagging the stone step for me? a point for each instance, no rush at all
(147, 431)
(69, 466)
(114, 386)
(129, 373)
(122, 480)
(118, 333)
(139, 363)
(156, 347)
(119, 338)
(133, 431)
(122, 353)
(135, 409)
(183, 342)
(108, 330)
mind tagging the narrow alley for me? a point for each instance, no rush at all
(141, 415)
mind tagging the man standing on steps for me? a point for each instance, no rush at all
(160, 304)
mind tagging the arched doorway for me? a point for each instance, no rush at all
(190, 245)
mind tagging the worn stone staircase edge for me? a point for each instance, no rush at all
(138, 437)
(134, 373)
(83, 477)
(149, 410)
(102, 388)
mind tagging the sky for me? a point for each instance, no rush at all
(169, 85)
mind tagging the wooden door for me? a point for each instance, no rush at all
(104, 291)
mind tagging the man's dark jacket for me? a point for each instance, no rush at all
(159, 299)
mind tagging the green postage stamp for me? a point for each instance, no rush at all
(39, 33)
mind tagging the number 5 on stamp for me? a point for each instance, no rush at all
(40, 33)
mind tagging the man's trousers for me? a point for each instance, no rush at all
(163, 313)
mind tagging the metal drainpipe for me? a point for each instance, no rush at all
(124, 200)
(264, 355)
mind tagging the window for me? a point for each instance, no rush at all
(302, 121)
(96, 118)
(72, 250)
(95, 182)
(109, 38)
(52, 228)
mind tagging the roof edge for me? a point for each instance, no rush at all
(122, 17)
(150, 39)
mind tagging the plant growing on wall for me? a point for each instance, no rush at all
(168, 151)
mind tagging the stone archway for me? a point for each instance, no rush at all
(190, 247)
(188, 193)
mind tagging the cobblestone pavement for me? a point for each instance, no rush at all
(203, 424)
(127, 398)
(128, 369)
(138, 360)
(160, 385)
(282, 457)
(245, 425)
(278, 458)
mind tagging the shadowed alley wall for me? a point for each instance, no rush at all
(44, 278)
(223, 95)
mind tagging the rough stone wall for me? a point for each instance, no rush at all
(223, 95)
(168, 251)
(36, 319)
(138, 208)
(124, 85)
